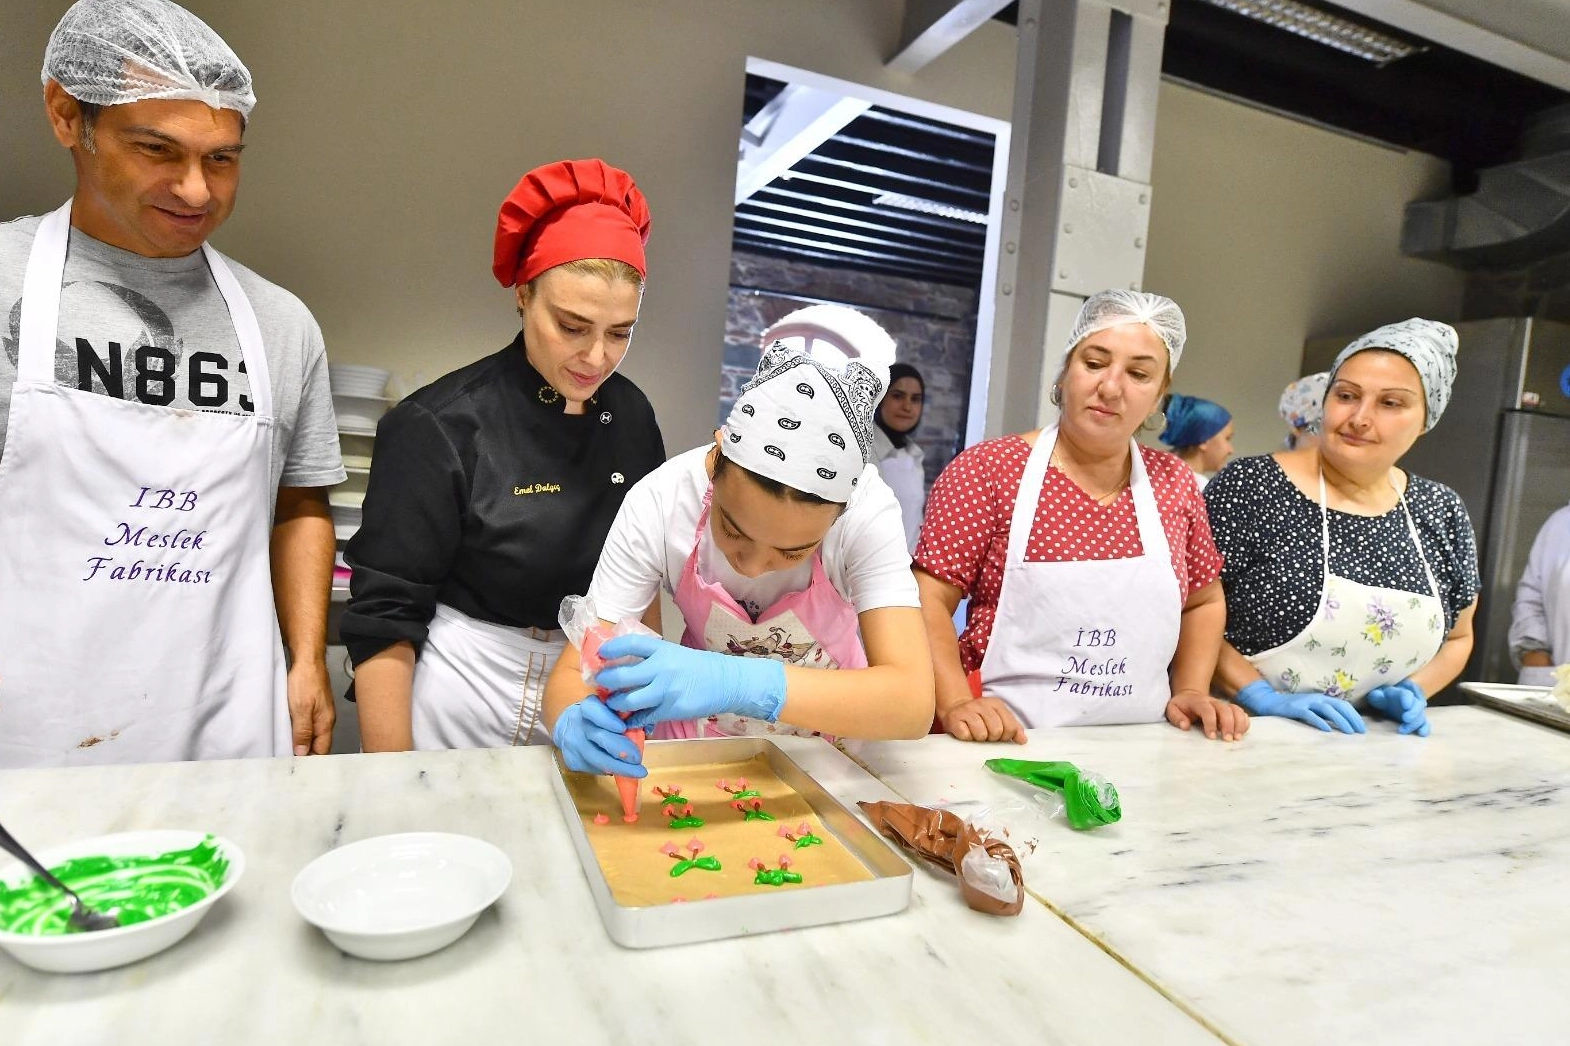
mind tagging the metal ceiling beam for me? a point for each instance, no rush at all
(1475, 35)
(794, 123)
(844, 251)
(933, 26)
(819, 200)
(904, 269)
(962, 256)
(823, 215)
(885, 174)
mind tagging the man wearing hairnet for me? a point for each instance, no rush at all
(166, 430)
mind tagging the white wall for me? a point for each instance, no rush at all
(1266, 232)
(387, 133)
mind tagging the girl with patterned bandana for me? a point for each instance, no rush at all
(784, 551)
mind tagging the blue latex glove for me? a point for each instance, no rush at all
(1404, 702)
(1321, 710)
(594, 740)
(675, 682)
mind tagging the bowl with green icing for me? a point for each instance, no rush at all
(159, 883)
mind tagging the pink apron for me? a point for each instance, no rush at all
(813, 628)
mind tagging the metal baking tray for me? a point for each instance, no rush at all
(1516, 700)
(887, 892)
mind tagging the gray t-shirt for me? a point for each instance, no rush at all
(156, 330)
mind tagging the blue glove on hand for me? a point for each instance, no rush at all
(594, 740)
(1321, 710)
(674, 682)
(1404, 702)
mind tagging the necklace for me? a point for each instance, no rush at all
(1103, 500)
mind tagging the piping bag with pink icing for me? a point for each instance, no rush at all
(587, 631)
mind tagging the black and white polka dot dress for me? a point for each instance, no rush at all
(1269, 535)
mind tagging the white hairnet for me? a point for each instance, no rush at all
(1115, 307)
(110, 52)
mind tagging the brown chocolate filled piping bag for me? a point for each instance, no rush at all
(942, 839)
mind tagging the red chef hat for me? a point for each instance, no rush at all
(565, 211)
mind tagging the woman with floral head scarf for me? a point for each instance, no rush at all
(1301, 406)
(1346, 577)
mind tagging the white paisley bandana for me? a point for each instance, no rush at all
(803, 424)
(1429, 345)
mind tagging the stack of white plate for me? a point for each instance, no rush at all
(351, 379)
(345, 505)
(358, 396)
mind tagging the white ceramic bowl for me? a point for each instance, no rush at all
(84, 952)
(398, 896)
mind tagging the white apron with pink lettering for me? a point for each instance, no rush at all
(1081, 643)
(136, 604)
(813, 628)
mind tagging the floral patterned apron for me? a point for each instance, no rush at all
(1362, 636)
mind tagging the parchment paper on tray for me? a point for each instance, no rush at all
(989, 875)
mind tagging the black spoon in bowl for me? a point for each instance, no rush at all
(82, 917)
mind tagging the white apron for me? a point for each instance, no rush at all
(136, 605)
(481, 685)
(1362, 636)
(907, 478)
(1082, 643)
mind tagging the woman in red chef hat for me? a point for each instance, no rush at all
(492, 489)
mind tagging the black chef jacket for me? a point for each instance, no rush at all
(484, 496)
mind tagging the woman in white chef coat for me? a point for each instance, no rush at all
(1087, 558)
(899, 457)
(1347, 577)
(1540, 618)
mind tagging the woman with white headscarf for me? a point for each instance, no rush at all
(1347, 577)
(1087, 559)
(784, 552)
(1301, 405)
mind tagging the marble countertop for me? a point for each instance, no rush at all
(1301, 887)
(538, 966)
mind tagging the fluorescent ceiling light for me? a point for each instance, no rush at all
(1322, 28)
(942, 210)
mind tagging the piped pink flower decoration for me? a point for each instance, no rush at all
(804, 828)
(723, 784)
(784, 861)
(669, 850)
(755, 864)
(742, 781)
(695, 845)
(784, 832)
(678, 900)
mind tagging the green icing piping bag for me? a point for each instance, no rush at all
(1089, 800)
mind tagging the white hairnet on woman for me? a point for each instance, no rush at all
(1116, 307)
(110, 52)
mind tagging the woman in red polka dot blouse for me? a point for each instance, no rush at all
(1088, 560)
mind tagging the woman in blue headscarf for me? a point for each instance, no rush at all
(1199, 432)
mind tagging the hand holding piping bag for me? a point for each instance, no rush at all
(589, 654)
(586, 631)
